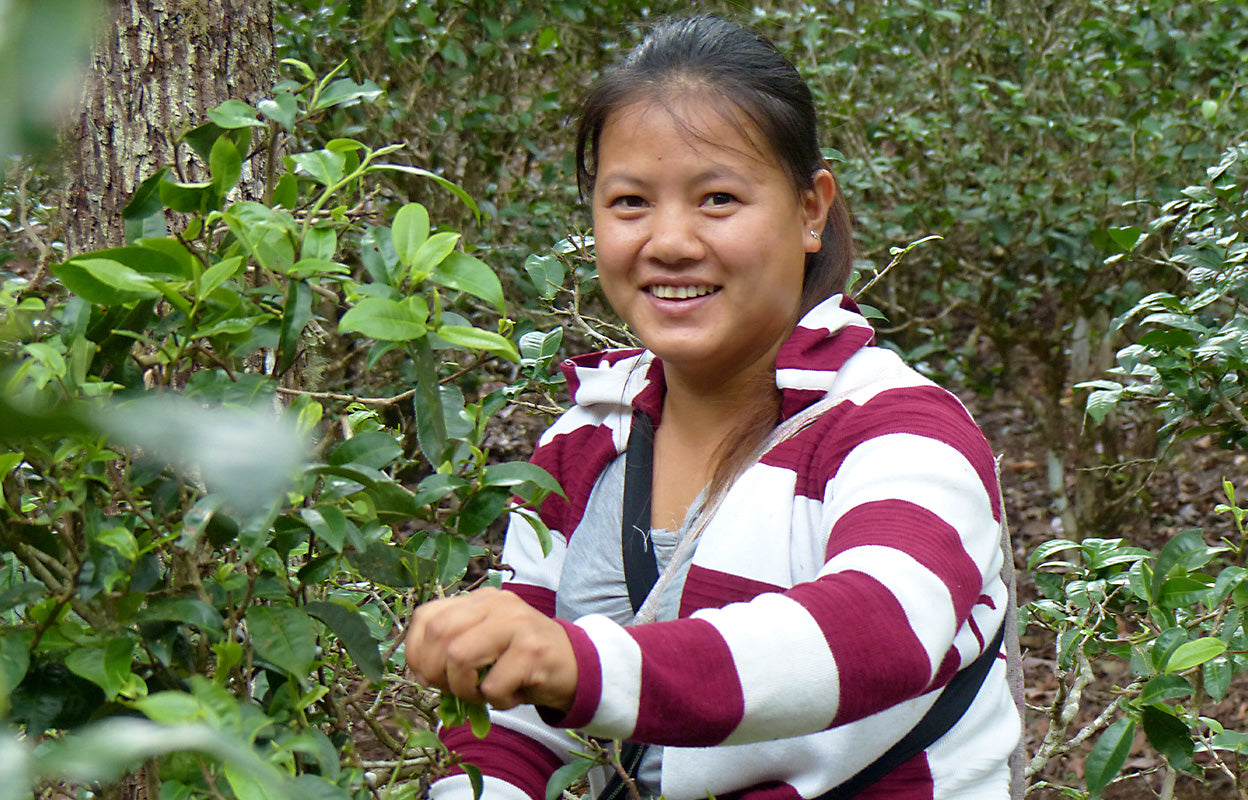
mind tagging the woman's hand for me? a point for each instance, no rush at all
(528, 655)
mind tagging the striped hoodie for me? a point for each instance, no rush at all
(844, 579)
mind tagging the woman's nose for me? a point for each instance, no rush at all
(675, 237)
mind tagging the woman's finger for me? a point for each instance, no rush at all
(537, 665)
(434, 626)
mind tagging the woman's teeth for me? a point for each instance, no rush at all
(680, 292)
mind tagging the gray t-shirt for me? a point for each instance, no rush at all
(593, 582)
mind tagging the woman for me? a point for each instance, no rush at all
(825, 520)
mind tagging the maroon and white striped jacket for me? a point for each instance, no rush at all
(844, 579)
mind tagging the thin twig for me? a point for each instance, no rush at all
(378, 730)
(350, 398)
(45, 252)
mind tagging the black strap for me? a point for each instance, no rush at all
(641, 570)
(952, 703)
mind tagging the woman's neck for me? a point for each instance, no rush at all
(709, 412)
(697, 419)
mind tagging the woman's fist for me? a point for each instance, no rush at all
(491, 646)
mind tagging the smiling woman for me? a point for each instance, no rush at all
(777, 568)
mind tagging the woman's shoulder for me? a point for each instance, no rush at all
(876, 394)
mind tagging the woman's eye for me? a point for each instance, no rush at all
(719, 199)
(629, 201)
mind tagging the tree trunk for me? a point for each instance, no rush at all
(158, 66)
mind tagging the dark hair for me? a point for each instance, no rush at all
(727, 62)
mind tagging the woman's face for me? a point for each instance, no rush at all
(701, 238)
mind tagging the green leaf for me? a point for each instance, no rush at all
(432, 253)
(383, 563)
(477, 339)
(161, 258)
(409, 232)
(546, 272)
(283, 636)
(286, 192)
(438, 179)
(479, 718)
(216, 275)
(1169, 736)
(189, 198)
(344, 145)
(1047, 549)
(475, 780)
(539, 529)
(437, 486)
(1218, 674)
(107, 667)
(351, 629)
(1194, 653)
(323, 166)
(306, 268)
(14, 661)
(328, 523)
(146, 199)
(296, 314)
(316, 787)
(427, 403)
(120, 539)
(1163, 688)
(567, 775)
(1169, 640)
(467, 274)
(345, 91)
(320, 243)
(302, 67)
(104, 281)
(101, 751)
(515, 473)
(226, 165)
(246, 788)
(1102, 402)
(1126, 239)
(452, 558)
(1108, 755)
(1171, 555)
(481, 510)
(1231, 740)
(144, 215)
(281, 109)
(187, 610)
(376, 449)
(234, 114)
(388, 320)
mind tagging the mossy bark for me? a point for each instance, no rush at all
(158, 66)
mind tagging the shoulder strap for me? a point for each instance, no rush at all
(949, 707)
(641, 569)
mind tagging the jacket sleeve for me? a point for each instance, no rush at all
(908, 592)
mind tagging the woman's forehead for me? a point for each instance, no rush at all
(708, 122)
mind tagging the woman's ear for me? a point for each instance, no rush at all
(815, 204)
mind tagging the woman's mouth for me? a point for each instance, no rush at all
(664, 292)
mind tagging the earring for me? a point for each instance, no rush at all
(815, 234)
